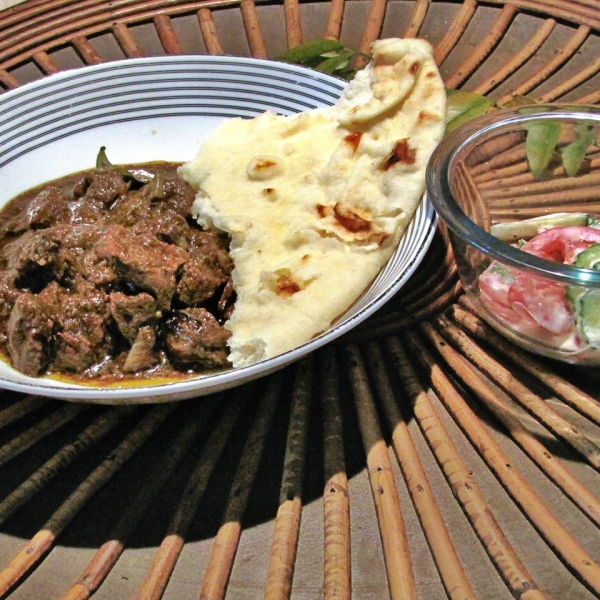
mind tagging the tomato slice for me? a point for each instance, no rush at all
(563, 244)
(532, 304)
(543, 301)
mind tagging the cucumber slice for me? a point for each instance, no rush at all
(586, 303)
(588, 318)
(589, 258)
(528, 228)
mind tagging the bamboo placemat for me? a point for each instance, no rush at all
(421, 456)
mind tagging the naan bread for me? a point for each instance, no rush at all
(315, 203)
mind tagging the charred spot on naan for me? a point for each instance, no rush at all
(353, 139)
(401, 153)
(284, 282)
(261, 168)
(351, 222)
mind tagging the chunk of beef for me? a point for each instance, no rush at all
(200, 278)
(29, 333)
(80, 236)
(8, 293)
(87, 211)
(144, 262)
(132, 312)
(129, 209)
(49, 207)
(210, 244)
(142, 355)
(81, 337)
(166, 225)
(138, 212)
(195, 339)
(94, 270)
(37, 258)
(180, 195)
(105, 186)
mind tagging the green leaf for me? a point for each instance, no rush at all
(573, 154)
(335, 63)
(310, 50)
(518, 102)
(464, 106)
(138, 175)
(540, 145)
(102, 161)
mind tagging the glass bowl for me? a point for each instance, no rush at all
(519, 191)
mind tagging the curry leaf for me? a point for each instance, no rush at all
(309, 51)
(139, 175)
(518, 102)
(334, 63)
(540, 145)
(573, 154)
(464, 106)
(102, 161)
(328, 56)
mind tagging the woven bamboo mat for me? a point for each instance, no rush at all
(421, 456)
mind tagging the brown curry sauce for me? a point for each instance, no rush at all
(104, 280)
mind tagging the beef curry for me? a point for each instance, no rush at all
(104, 277)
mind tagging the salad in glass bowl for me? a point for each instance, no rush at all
(520, 194)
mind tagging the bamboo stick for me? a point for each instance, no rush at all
(516, 172)
(252, 26)
(511, 419)
(336, 504)
(280, 572)
(52, 32)
(444, 281)
(109, 552)
(372, 28)
(417, 17)
(402, 321)
(9, 80)
(558, 191)
(166, 557)
(209, 32)
(225, 545)
(508, 150)
(87, 51)
(459, 476)
(28, 438)
(167, 35)
(557, 537)
(45, 63)
(591, 98)
(21, 408)
(517, 59)
(293, 24)
(334, 19)
(454, 31)
(439, 258)
(42, 541)
(580, 76)
(396, 552)
(508, 215)
(126, 41)
(517, 390)
(451, 571)
(487, 44)
(62, 459)
(561, 56)
(566, 391)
